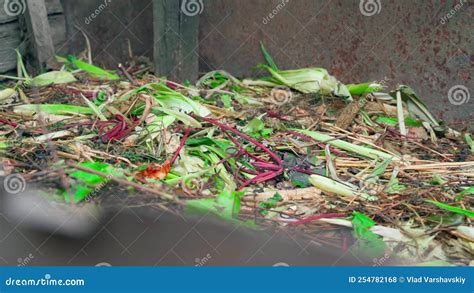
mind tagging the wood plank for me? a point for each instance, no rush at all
(175, 41)
(9, 41)
(41, 49)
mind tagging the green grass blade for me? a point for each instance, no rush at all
(452, 209)
(268, 57)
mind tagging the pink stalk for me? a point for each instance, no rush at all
(238, 133)
(4, 121)
(242, 149)
(262, 177)
(268, 166)
(318, 217)
(181, 145)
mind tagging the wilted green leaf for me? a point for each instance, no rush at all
(226, 205)
(53, 77)
(461, 195)
(55, 109)
(368, 244)
(270, 203)
(93, 70)
(364, 88)
(452, 209)
(268, 57)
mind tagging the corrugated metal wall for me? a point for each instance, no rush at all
(425, 44)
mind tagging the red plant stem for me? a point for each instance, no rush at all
(4, 121)
(242, 149)
(248, 171)
(260, 178)
(268, 166)
(272, 114)
(181, 145)
(238, 133)
(237, 154)
(317, 217)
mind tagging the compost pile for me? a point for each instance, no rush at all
(297, 149)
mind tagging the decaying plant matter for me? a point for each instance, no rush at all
(359, 167)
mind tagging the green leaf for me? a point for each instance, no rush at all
(92, 179)
(55, 109)
(364, 88)
(94, 108)
(227, 101)
(225, 206)
(254, 126)
(186, 119)
(93, 70)
(392, 121)
(268, 57)
(309, 80)
(171, 99)
(452, 209)
(368, 244)
(438, 179)
(460, 196)
(80, 193)
(7, 93)
(380, 169)
(53, 77)
(270, 203)
(360, 150)
(415, 105)
(469, 142)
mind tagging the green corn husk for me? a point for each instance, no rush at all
(364, 88)
(7, 93)
(54, 109)
(347, 146)
(307, 80)
(53, 77)
(329, 185)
